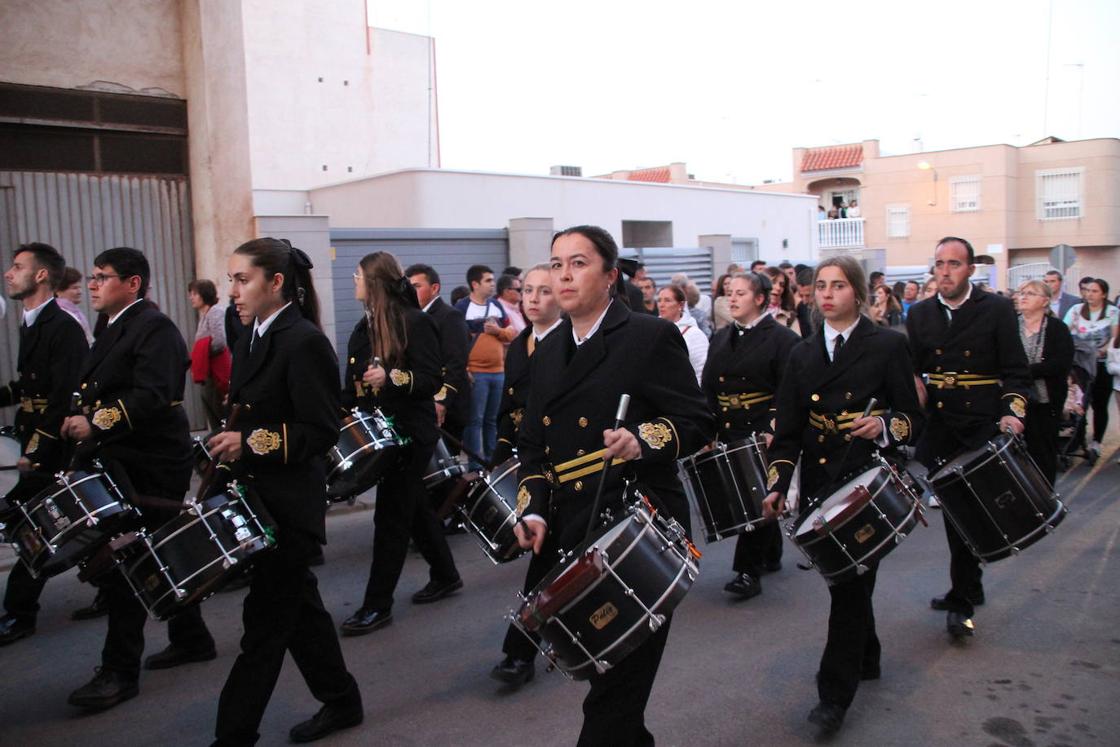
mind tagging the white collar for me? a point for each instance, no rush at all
(434, 299)
(259, 327)
(117, 316)
(758, 320)
(541, 335)
(594, 327)
(954, 307)
(29, 317)
(831, 333)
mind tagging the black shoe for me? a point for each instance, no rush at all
(744, 586)
(366, 620)
(173, 656)
(772, 566)
(827, 716)
(436, 591)
(870, 673)
(941, 604)
(329, 719)
(514, 672)
(99, 607)
(14, 628)
(105, 690)
(959, 626)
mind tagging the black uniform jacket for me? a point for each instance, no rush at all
(288, 418)
(132, 391)
(411, 384)
(575, 396)
(455, 343)
(976, 366)
(51, 353)
(515, 394)
(741, 376)
(819, 399)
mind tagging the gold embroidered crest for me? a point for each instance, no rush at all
(33, 444)
(399, 377)
(771, 477)
(441, 395)
(900, 429)
(106, 417)
(1018, 409)
(522, 500)
(262, 442)
(655, 434)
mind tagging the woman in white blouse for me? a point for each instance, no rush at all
(671, 306)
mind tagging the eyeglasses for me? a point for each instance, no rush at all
(100, 278)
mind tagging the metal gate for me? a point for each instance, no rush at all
(663, 262)
(449, 251)
(83, 214)
(1020, 274)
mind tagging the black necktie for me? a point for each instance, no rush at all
(838, 346)
(254, 341)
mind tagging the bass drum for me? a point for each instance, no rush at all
(612, 593)
(490, 511)
(727, 485)
(368, 448)
(998, 499)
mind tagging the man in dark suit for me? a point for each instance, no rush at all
(132, 420)
(1060, 302)
(453, 398)
(52, 347)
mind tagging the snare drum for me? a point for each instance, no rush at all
(491, 509)
(727, 486)
(858, 524)
(67, 522)
(998, 499)
(443, 466)
(610, 594)
(195, 554)
(368, 448)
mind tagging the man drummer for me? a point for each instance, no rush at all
(52, 347)
(745, 363)
(132, 420)
(965, 342)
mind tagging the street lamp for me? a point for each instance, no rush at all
(927, 166)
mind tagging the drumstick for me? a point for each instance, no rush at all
(212, 468)
(866, 411)
(619, 417)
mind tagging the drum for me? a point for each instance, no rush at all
(443, 467)
(10, 452)
(727, 486)
(368, 448)
(490, 510)
(862, 521)
(997, 498)
(195, 554)
(67, 522)
(609, 595)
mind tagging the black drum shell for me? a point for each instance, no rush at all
(1000, 500)
(443, 466)
(372, 448)
(490, 511)
(728, 486)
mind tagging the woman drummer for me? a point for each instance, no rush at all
(543, 313)
(827, 417)
(598, 353)
(284, 387)
(393, 363)
(745, 363)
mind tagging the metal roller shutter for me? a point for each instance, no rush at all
(662, 262)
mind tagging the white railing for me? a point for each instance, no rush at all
(843, 232)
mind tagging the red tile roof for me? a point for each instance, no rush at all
(657, 174)
(833, 157)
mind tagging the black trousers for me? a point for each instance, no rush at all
(516, 644)
(403, 510)
(756, 548)
(853, 647)
(283, 613)
(1100, 396)
(1041, 436)
(21, 595)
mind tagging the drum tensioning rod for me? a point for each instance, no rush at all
(619, 417)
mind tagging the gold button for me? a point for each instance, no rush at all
(847, 436)
(938, 351)
(820, 439)
(725, 409)
(822, 460)
(967, 353)
(816, 398)
(580, 452)
(547, 450)
(353, 360)
(546, 420)
(727, 425)
(84, 385)
(940, 405)
(968, 404)
(843, 413)
(938, 369)
(583, 422)
(578, 486)
(511, 390)
(847, 395)
(721, 378)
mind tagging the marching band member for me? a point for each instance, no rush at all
(827, 386)
(599, 352)
(393, 362)
(52, 346)
(131, 388)
(283, 380)
(745, 363)
(543, 313)
(966, 341)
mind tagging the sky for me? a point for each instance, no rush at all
(730, 88)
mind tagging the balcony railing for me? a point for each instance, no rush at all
(844, 232)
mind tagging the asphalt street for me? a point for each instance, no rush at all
(1044, 668)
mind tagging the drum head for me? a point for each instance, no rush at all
(10, 452)
(852, 495)
(969, 460)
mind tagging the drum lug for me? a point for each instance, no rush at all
(655, 623)
(861, 569)
(1014, 550)
(179, 593)
(601, 667)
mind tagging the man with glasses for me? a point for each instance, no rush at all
(132, 420)
(509, 296)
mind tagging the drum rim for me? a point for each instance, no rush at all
(196, 518)
(911, 519)
(1048, 525)
(341, 460)
(1000, 441)
(181, 583)
(803, 518)
(722, 448)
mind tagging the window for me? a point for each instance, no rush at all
(964, 194)
(1059, 193)
(898, 221)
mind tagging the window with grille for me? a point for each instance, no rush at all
(1059, 193)
(964, 193)
(898, 221)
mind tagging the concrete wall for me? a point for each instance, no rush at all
(312, 234)
(456, 199)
